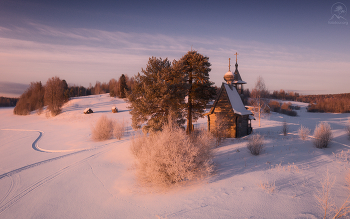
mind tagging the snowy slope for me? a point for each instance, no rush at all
(71, 176)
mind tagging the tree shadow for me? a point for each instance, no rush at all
(235, 159)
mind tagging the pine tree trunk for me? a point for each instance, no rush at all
(189, 109)
(189, 118)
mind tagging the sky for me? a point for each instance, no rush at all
(292, 45)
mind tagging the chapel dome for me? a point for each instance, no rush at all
(229, 77)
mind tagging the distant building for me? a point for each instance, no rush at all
(228, 111)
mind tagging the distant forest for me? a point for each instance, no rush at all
(327, 103)
(333, 103)
(8, 101)
(56, 92)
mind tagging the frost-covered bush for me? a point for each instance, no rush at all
(286, 106)
(103, 130)
(322, 135)
(170, 157)
(255, 144)
(118, 129)
(274, 105)
(303, 133)
(114, 109)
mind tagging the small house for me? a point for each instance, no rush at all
(228, 111)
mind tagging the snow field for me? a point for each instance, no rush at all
(79, 178)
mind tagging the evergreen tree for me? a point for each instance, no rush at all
(199, 90)
(123, 86)
(157, 95)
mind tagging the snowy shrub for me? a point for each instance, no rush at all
(274, 105)
(170, 157)
(323, 196)
(347, 178)
(285, 128)
(303, 133)
(326, 200)
(114, 109)
(255, 144)
(118, 129)
(267, 186)
(322, 135)
(103, 130)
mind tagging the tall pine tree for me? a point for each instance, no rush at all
(157, 94)
(123, 86)
(195, 69)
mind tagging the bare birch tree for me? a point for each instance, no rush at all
(258, 93)
(54, 95)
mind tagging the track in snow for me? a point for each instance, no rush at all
(47, 179)
(36, 164)
(41, 182)
(35, 144)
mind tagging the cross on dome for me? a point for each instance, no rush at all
(236, 56)
(229, 64)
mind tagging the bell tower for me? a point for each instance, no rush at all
(237, 80)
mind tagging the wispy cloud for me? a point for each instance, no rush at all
(81, 55)
(10, 89)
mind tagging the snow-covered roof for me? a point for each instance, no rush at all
(239, 82)
(237, 77)
(236, 101)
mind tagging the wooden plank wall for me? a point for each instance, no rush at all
(223, 113)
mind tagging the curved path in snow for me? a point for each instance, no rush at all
(41, 182)
(35, 145)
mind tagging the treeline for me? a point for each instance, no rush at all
(8, 101)
(329, 103)
(316, 98)
(115, 88)
(56, 92)
(281, 95)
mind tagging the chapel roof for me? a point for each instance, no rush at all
(234, 99)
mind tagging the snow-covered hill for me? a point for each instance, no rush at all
(50, 168)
